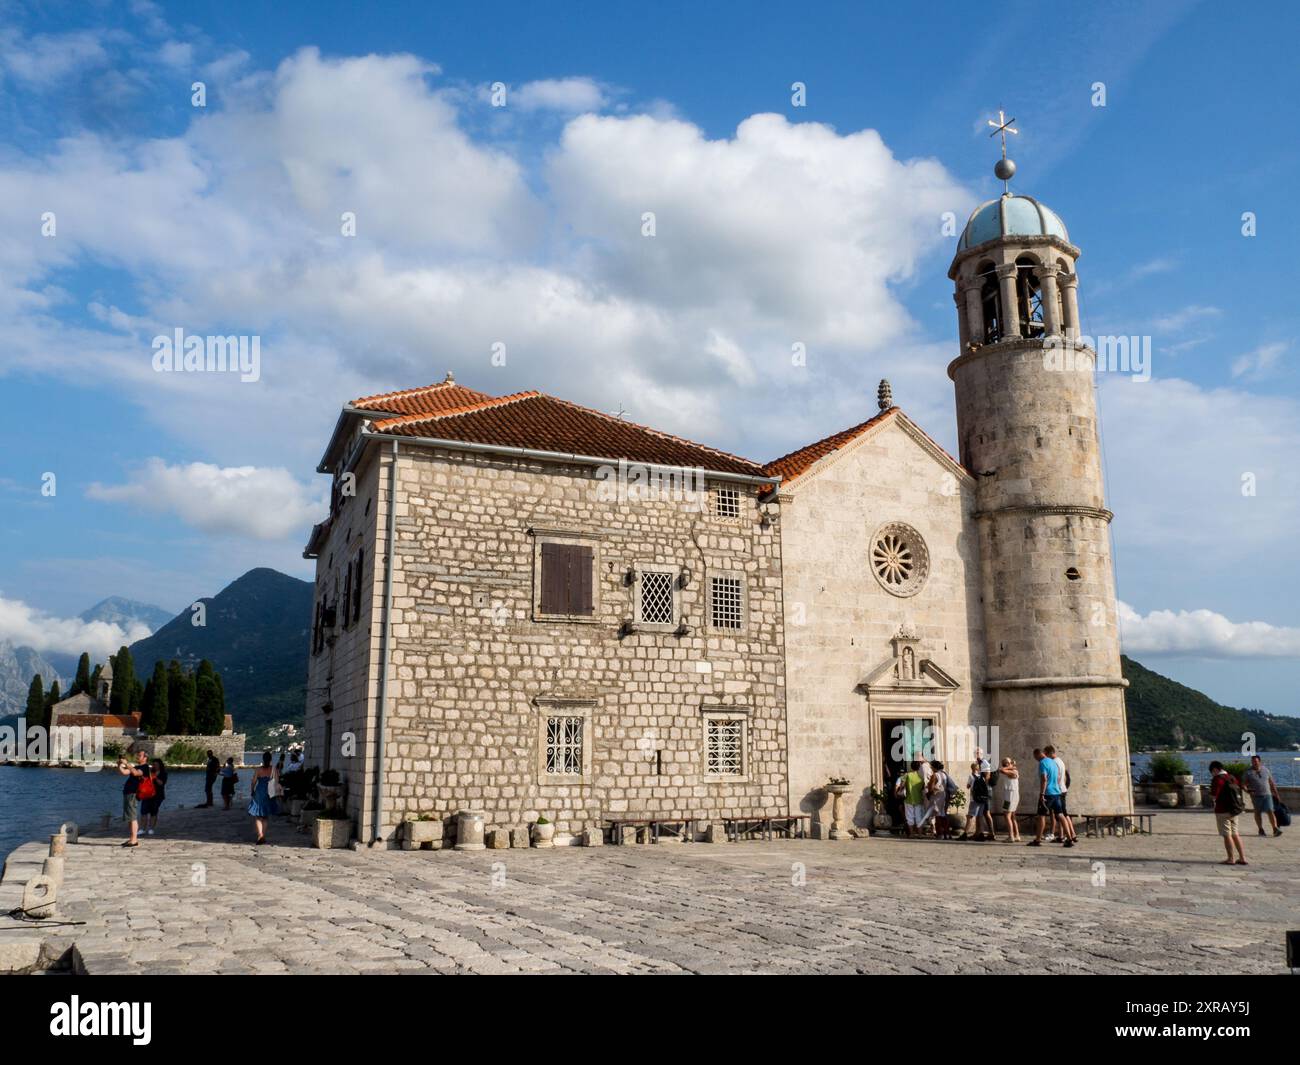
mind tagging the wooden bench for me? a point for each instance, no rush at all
(681, 828)
(792, 825)
(1097, 824)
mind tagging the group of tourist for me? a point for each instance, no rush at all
(146, 788)
(926, 791)
(1230, 803)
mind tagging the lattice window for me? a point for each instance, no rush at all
(726, 503)
(725, 746)
(726, 603)
(656, 597)
(564, 745)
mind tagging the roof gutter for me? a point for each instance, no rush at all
(558, 456)
(386, 621)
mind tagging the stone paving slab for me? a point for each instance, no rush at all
(201, 898)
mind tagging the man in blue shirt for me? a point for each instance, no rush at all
(1050, 792)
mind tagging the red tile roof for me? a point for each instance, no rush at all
(790, 466)
(793, 465)
(431, 399)
(543, 423)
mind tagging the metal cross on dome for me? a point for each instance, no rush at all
(1003, 125)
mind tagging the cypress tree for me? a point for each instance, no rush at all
(221, 691)
(208, 718)
(94, 680)
(187, 704)
(36, 701)
(82, 681)
(137, 694)
(123, 682)
(174, 683)
(51, 697)
(154, 707)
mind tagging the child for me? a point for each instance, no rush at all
(228, 780)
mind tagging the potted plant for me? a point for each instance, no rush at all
(543, 832)
(880, 819)
(329, 788)
(332, 829)
(956, 816)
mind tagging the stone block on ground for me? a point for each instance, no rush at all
(593, 837)
(498, 839)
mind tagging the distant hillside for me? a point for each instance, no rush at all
(257, 638)
(1164, 713)
(17, 666)
(118, 611)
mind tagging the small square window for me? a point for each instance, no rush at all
(724, 743)
(726, 503)
(726, 603)
(656, 598)
(564, 746)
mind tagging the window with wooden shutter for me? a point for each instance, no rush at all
(566, 580)
(347, 598)
(356, 592)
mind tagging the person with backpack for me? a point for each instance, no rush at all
(151, 804)
(977, 785)
(1229, 804)
(941, 790)
(1263, 794)
(1050, 803)
(135, 775)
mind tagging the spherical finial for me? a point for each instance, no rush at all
(1004, 169)
(885, 395)
(449, 380)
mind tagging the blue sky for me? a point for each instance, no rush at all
(520, 224)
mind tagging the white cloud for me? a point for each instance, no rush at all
(1204, 633)
(265, 504)
(1260, 362)
(179, 54)
(23, 625)
(44, 59)
(566, 95)
(1181, 319)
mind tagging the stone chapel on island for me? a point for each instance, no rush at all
(531, 609)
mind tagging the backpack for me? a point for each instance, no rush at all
(145, 789)
(949, 789)
(979, 791)
(1235, 801)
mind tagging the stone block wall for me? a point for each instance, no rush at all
(475, 674)
(840, 620)
(227, 745)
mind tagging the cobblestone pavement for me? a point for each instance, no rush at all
(202, 899)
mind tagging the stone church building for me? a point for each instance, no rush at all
(528, 608)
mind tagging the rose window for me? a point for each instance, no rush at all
(899, 559)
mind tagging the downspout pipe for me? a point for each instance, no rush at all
(384, 640)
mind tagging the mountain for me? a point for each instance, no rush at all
(17, 665)
(256, 635)
(1164, 713)
(118, 611)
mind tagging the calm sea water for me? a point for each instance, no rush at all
(34, 802)
(1284, 765)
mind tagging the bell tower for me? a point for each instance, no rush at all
(1027, 427)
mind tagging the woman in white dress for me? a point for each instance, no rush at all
(1009, 785)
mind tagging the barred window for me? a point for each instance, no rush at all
(656, 597)
(726, 606)
(724, 746)
(726, 502)
(564, 745)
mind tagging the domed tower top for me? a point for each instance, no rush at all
(1011, 215)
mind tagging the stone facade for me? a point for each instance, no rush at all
(842, 622)
(476, 672)
(227, 745)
